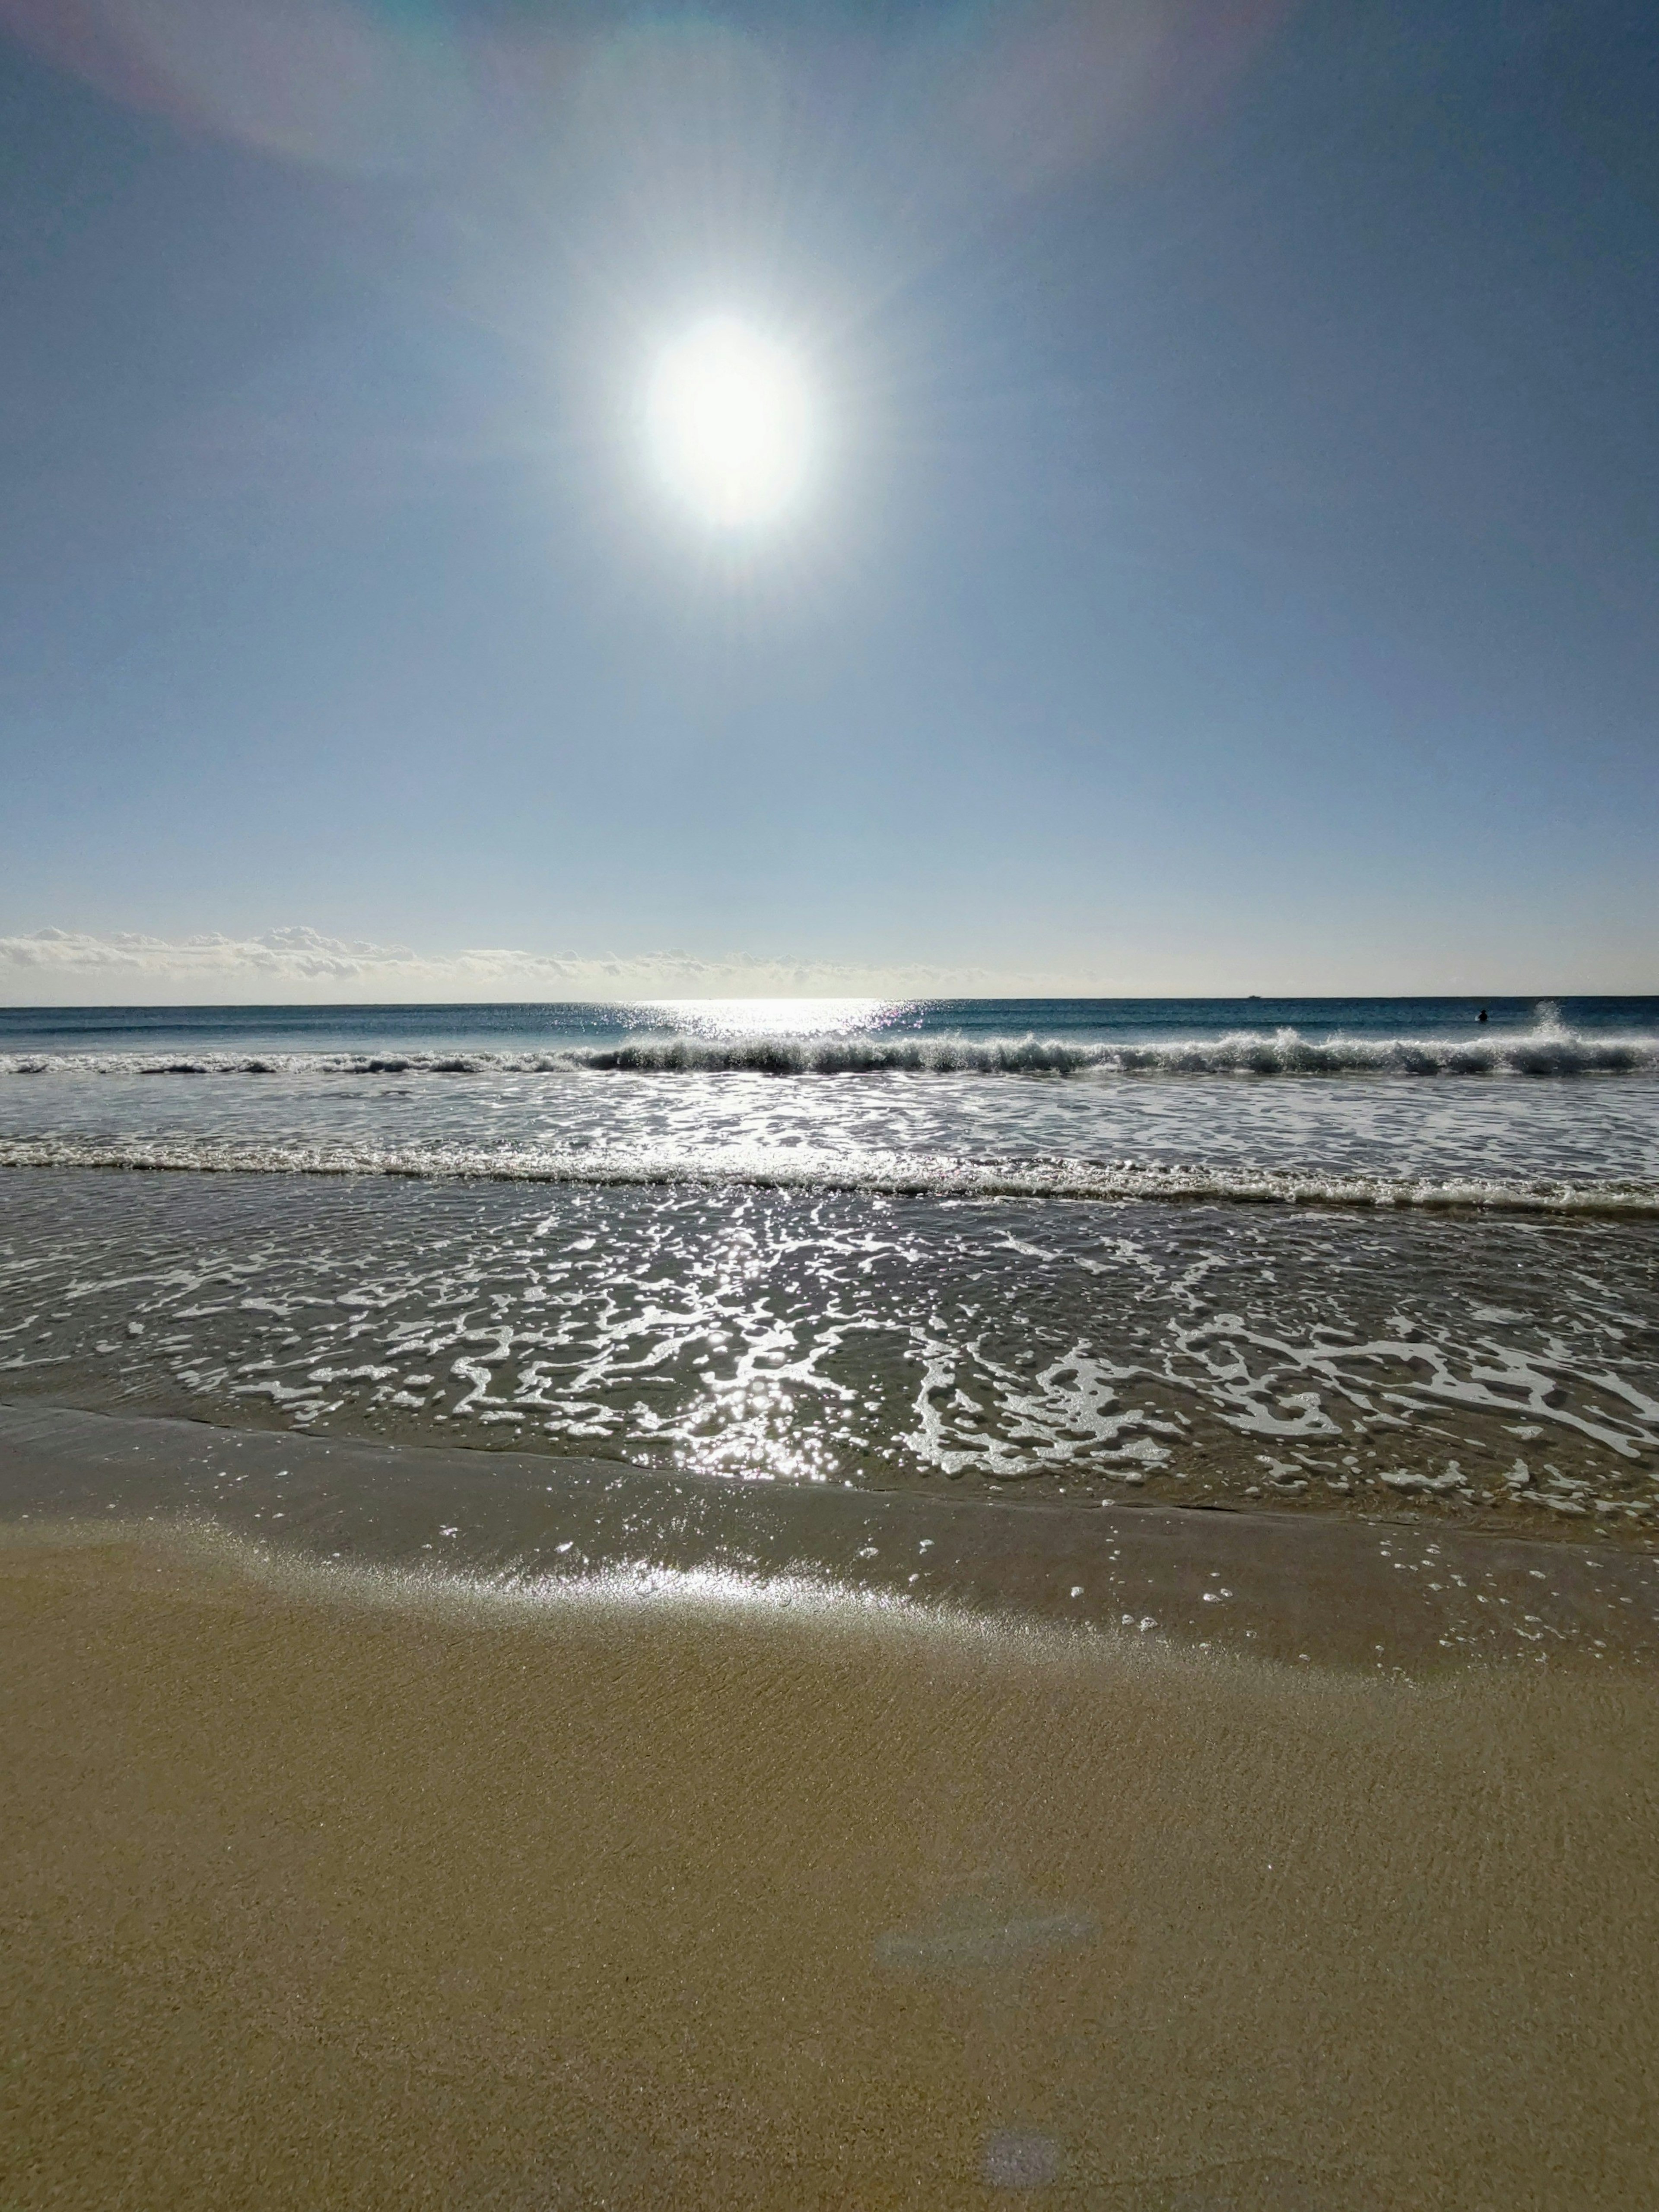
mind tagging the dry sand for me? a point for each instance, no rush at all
(313, 1901)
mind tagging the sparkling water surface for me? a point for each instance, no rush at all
(877, 1245)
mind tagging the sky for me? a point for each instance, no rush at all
(1226, 560)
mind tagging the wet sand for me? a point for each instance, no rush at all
(315, 1893)
(1382, 1594)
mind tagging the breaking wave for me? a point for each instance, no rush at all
(879, 1173)
(1548, 1049)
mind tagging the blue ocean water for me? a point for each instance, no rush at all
(1080, 1022)
(1311, 1251)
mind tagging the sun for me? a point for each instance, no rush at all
(729, 423)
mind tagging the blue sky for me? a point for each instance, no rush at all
(1231, 564)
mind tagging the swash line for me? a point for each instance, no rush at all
(891, 1174)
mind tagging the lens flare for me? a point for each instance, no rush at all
(729, 423)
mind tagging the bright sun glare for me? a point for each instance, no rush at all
(729, 423)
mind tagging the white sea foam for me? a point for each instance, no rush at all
(818, 1334)
(1549, 1048)
(801, 1167)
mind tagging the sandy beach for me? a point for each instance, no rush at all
(314, 1897)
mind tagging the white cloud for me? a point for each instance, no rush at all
(62, 966)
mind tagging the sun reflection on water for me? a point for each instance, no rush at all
(733, 1019)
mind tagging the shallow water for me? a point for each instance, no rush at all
(613, 1233)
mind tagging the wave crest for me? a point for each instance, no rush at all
(1548, 1049)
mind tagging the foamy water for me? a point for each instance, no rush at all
(1375, 1253)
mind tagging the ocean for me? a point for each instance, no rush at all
(1307, 1256)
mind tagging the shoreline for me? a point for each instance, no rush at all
(521, 1531)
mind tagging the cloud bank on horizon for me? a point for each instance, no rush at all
(300, 965)
(63, 966)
